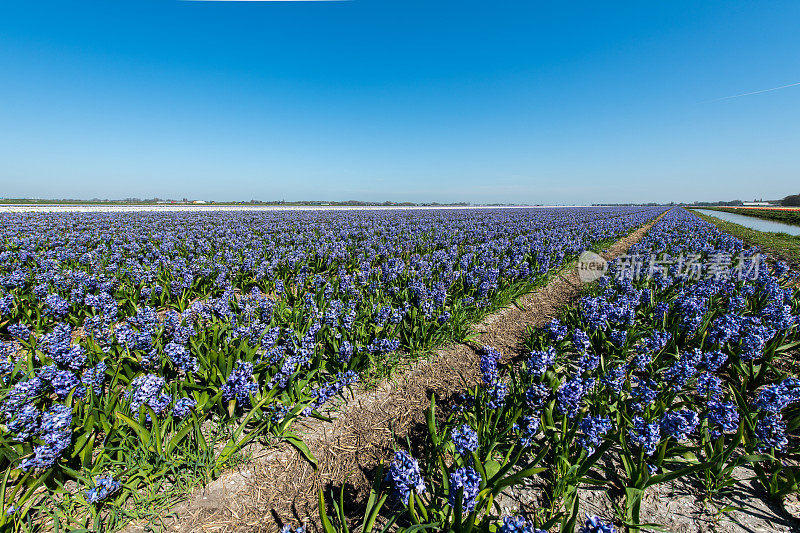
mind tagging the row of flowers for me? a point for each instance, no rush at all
(641, 382)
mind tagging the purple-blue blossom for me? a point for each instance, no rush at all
(536, 394)
(327, 391)
(528, 429)
(467, 480)
(240, 384)
(517, 524)
(681, 370)
(709, 386)
(557, 330)
(404, 476)
(104, 486)
(581, 341)
(570, 394)
(465, 439)
(593, 429)
(488, 364)
(618, 337)
(775, 398)
(614, 378)
(181, 357)
(148, 390)
(645, 435)
(183, 406)
(770, 432)
(595, 524)
(723, 417)
(94, 378)
(540, 361)
(679, 424)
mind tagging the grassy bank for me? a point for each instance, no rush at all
(778, 215)
(780, 245)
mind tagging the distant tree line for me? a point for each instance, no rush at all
(793, 200)
(720, 203)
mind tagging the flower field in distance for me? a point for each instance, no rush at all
(141, 348)
(643, 381)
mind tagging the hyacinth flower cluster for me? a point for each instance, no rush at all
(517, 524)
(164, 312)
(466, 482)
(104, 486)
(328, 390)
(56, 436)
(148, 390)
(496, 389)
(594, 524)
(465, 440)
(240, 385)
(404, 477)
(183, 407)
(593, 429)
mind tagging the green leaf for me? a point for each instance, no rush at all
(430, 419)
(323, 515)
(373, 503)
(787, 346)
(492, 468)
(669, 476)
(144, 434)
(302, 447)
(178, 437)
(86, 453)
(340, 511)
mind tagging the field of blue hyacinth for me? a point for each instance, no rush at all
(138, 350)
(643, 381)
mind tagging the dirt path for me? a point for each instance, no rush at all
(280, 487)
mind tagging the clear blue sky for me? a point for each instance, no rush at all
(531, 102)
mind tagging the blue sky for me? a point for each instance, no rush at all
(529, 102)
